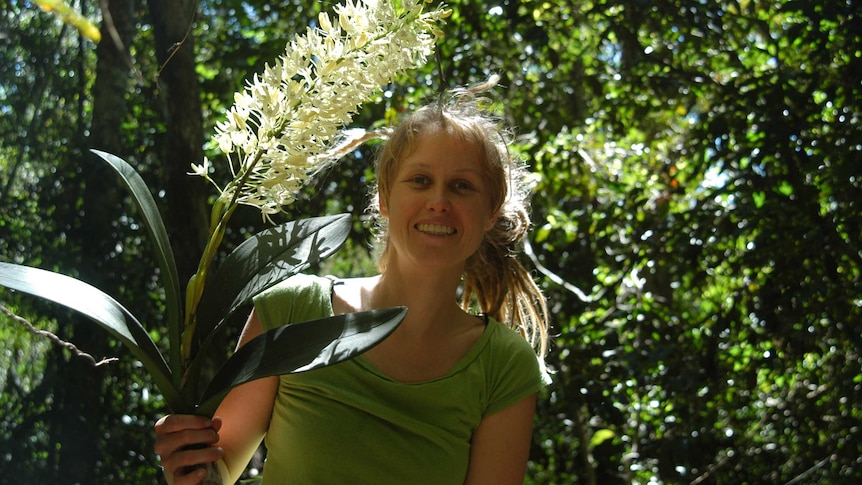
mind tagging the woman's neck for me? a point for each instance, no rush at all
(428, 295)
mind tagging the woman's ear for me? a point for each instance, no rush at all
(489, 224)
(381, 204)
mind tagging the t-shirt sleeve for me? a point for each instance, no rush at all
(299, 298)
(517, 372)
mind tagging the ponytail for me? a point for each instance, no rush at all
(497, 280)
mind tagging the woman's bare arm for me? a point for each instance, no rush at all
(245, 412)
(501, 445)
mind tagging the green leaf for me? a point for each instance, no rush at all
(600, 436)
(759, 199)
(300, 347)
(267, 258)
(164, 254)
(102, 309)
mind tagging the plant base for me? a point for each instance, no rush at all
(213, 476)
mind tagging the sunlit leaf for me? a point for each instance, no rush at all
(265, 259)
(69, 16)
(600, 436)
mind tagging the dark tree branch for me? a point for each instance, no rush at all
(57, 341)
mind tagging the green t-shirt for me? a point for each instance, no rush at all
(351, 424)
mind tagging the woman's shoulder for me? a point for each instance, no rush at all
(296, 284)
(510, 367)
(294, 299)
(504, 338)
(501, 348)
(349, 294)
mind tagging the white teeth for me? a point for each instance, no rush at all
(436, 229)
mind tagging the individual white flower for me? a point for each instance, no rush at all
(202, 170)
(284, 126)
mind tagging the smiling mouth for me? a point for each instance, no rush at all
(435, 229)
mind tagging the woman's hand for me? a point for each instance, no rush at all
(183, 442)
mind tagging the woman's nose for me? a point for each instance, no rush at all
(438, 201)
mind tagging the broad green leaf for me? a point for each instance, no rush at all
(164, 254)
(99, 307)
(300, 347)
(265, 259)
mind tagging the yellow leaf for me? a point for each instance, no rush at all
(600, 436)
(69, 16)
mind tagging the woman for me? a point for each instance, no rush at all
(449, 397)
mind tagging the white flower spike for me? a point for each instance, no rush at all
(284, 126)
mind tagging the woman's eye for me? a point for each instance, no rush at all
(419, 179)
(463, 185)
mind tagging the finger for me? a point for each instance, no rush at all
(166, 444)
(192, 477)
(185, 462)
(178, 422)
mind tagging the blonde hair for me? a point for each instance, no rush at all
(500, 285)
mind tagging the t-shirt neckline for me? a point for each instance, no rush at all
(461, 364)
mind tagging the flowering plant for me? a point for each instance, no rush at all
(283, 128)
(285, 125)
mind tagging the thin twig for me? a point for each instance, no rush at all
(528, 251)
(175, 47)
(728, 457)
(57, 340)
(806, 473)
(114, 34)
(439, 58)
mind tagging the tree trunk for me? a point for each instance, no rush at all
(179, 96)
(80, 393)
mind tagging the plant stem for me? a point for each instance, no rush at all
(195, 287)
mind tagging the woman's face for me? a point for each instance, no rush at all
(439, 205)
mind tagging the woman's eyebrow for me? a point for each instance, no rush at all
(428, 166)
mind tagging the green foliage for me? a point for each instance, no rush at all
(723, 282)
(696, 206)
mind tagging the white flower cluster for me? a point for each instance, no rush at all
(284, 123)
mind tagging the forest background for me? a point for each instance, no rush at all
(697, 194)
